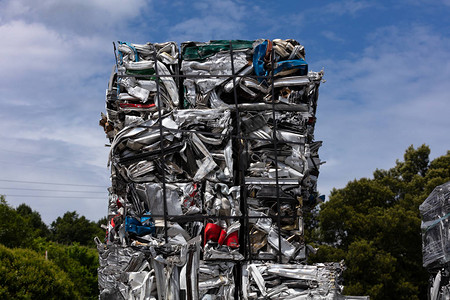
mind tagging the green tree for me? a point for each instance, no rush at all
(72, 228)
(374, 225)
(102, 221)
(23, 227)
(13, 227)
(26, 275)
(34, 220)
(80, 263)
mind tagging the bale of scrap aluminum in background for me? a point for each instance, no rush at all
(435, 211)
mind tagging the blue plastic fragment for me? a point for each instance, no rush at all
(136, 56)
(142, 227)
(258, 60)
(258, 63)
(299, 64)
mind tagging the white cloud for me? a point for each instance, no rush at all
(87, 17)
(351, 7)
(34, 53)
(30, 47)
(374, 106)
(425, 3)
(56, 58)
(332, 36)
(214, 20)
(203, 29)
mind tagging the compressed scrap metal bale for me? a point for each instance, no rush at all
(245, 124)
(435, 211)
(439, 286)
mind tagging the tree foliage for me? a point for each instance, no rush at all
(26, 275)
(374, 225)
(72, 228)
(80, 263)
(14, 231)
(33, 220)
(73, 265)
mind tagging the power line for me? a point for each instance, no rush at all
(37, 166)
(32, 165)
(33, 196)
(35, 154)
(44, 190)
(52, 183)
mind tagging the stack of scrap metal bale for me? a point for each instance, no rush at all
(213, 162)
(435, 211)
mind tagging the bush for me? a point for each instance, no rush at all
(26, 275)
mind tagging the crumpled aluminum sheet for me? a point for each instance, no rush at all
(124, 273)
(219, 64)
(149, 272)
(132, 91)
(288, 172)
(293, 281)
(193, 155)
(216, 280)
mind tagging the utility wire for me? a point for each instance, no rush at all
(44, 190)
(33, 196)
(52, 183)
(32, 165)
(34, 154)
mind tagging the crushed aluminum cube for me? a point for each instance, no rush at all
(213, 161)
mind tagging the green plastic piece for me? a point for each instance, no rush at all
(201, 51)
(141, 72)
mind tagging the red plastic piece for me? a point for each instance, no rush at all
(212, 232)
(136, 105)
(232, 240)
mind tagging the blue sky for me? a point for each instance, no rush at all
(386, 63)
